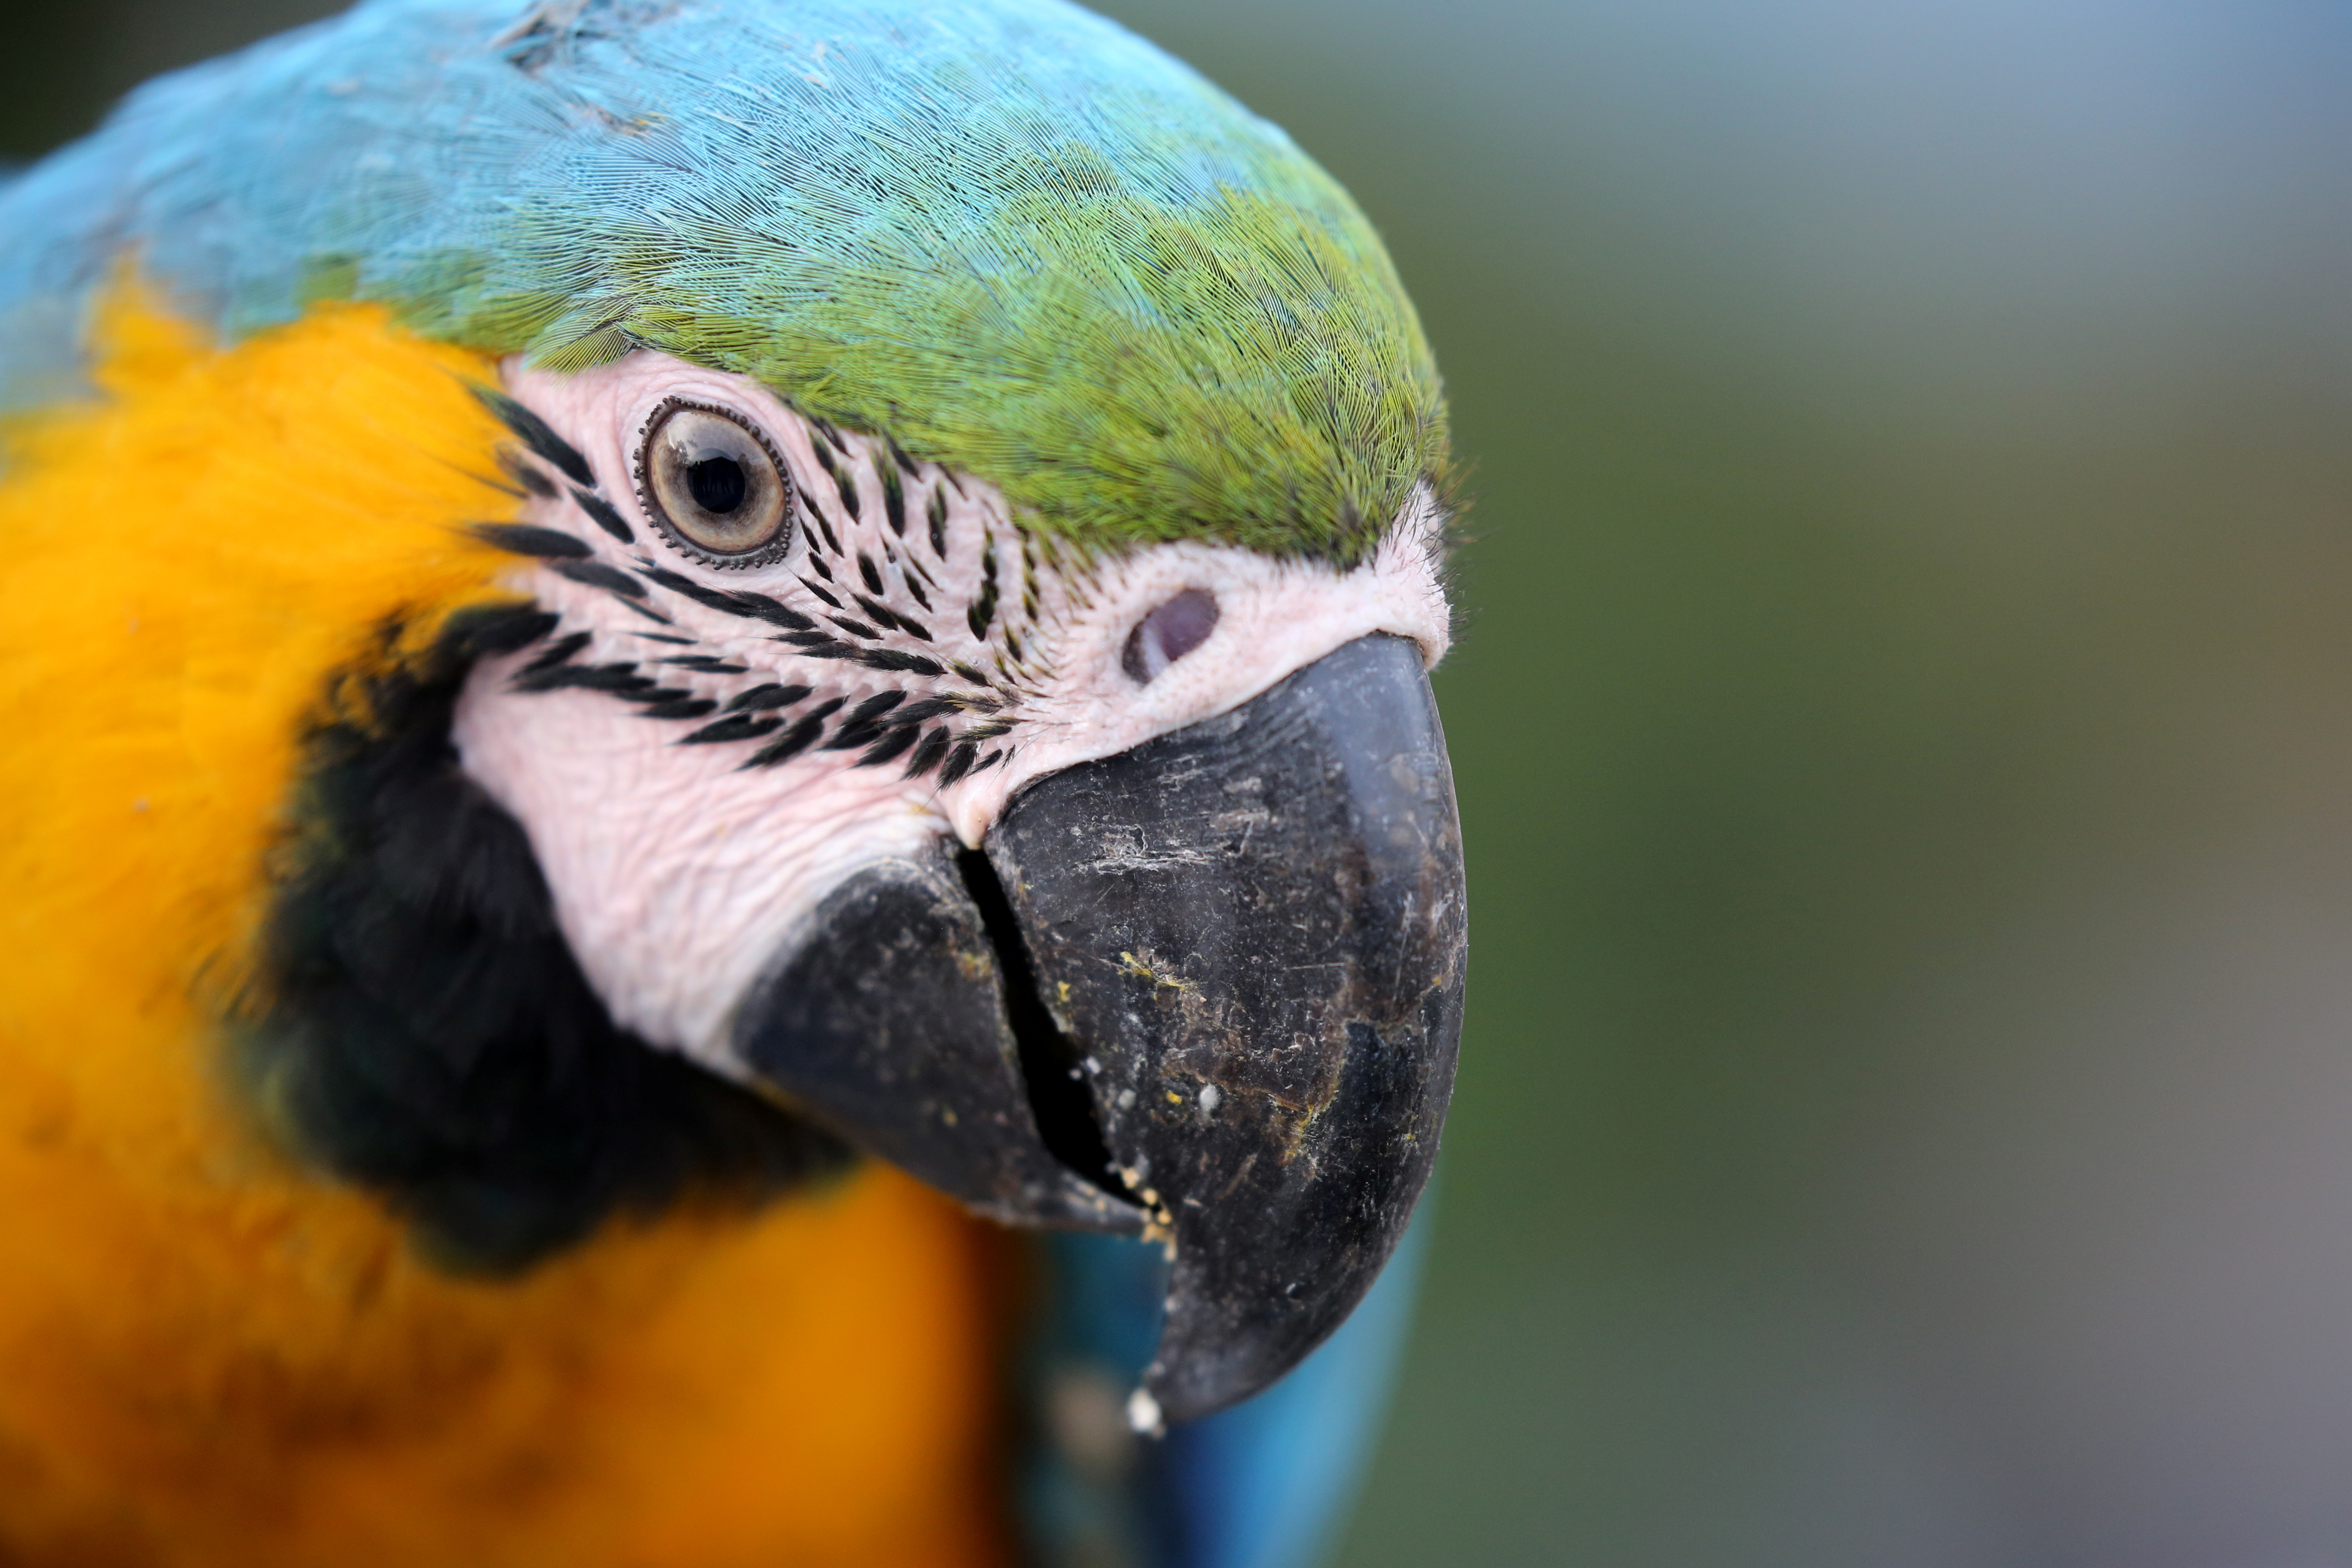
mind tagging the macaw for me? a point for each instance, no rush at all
(726, 839)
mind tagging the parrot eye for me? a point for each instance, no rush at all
(711, 482)
(1169, 633)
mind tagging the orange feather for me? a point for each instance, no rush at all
(209, 1354)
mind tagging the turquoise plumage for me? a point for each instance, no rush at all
(1004, 231)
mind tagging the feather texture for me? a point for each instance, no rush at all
(211, 1354)
(1015, 236)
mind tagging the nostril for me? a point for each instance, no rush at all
(1169, 633)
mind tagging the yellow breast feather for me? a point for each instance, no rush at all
(210, 1354)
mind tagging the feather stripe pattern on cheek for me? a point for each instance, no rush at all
(831, 648)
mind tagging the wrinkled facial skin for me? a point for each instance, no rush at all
(747, 756)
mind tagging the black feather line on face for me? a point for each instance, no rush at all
(650, 614)
(959, 762)
(711, 598)
(881, 734)
(796, 740)
(511, 464)
(928, 708)
(892, 618)
(891, 659)
(524, 539)
(600, 511)
(734, 726)
(615, 678)
(490, 629)
(818, 449)
(556, 653)
(680, 708)
(763, 697)
(759, 606)
(788, 745)
(926, 755)
(866, 721)
(880, 703)
(817, 513)
(596, 574)
(420, 1028)
(539, 436)
(889, 747)
(983, 609)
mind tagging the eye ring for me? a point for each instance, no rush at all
(714, 485)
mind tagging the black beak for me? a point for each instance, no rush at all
(1210, 989)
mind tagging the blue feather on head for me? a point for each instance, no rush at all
(1018, 237)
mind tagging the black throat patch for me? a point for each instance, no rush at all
(422, 1029)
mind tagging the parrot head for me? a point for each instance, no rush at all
(955, 681)
(1116, 889)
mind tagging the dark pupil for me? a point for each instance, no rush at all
(717, 484)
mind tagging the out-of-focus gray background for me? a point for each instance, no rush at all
(1904, 735)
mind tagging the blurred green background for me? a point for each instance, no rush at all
(1904, 726)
